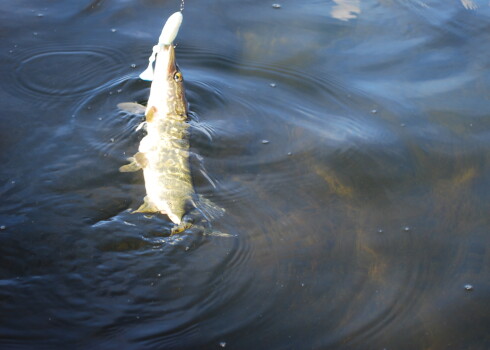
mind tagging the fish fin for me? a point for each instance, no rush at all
(214, 233)
(147, 207)
(150, 114)
(210, 210)
(135, 163)
(180, 228)
(132, 107)
(132, 166)
(140, 159)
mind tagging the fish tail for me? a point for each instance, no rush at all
(207, 208)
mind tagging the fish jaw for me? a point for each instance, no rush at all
(167, 93)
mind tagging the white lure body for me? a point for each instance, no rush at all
(167, 37)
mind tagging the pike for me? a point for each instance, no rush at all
(163, 154)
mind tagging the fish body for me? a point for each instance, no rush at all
(163, 154)
(165, 148)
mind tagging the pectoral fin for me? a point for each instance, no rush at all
(132, 107)
(140, 158)
(150, 114)
(136, 163)
(147, 207)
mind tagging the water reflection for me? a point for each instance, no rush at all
(469, 4)
(375, 123)
(346, 9)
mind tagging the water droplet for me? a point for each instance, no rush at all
(302, 284)
(273, 85)
(2, 227)
(265, 142)
(374, 111)
(407, 229)
(276, 6)
(159, 275)
(119, 91)
(13, 182)
(468, 287)
(402, 125)
(290, 153)
(112, 139)
(222, 344)
(380, 230)
(113, 30)
(471, 124)
(187, 248)
(133, 66)
(99, 118)
(35, 33)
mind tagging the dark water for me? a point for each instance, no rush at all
(358, 224)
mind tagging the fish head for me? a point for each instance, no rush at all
(176, 102)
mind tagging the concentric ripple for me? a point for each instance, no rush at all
(67, 71)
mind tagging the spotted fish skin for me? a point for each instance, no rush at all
(164, 151)
(165, 166)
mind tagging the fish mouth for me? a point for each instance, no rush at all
(172, 65)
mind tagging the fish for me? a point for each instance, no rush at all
(163, 153)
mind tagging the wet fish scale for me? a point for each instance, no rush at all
(164, 151)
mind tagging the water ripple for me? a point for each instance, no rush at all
(38, 72)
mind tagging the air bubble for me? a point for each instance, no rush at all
(276, 6)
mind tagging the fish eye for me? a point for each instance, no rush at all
(178, 77)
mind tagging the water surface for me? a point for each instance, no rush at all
(347, 140)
